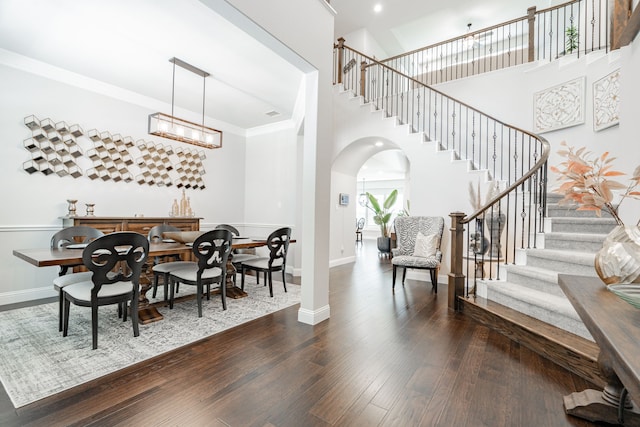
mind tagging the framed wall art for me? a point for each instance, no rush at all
(559, 106)
(606, 101)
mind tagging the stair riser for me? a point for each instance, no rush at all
(574, 245)
(584, 228)
(534, 283)
(562, 266)
(541, 313)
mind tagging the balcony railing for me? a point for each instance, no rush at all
(574, 28)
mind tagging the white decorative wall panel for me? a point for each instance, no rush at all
(606, 101)
(560, 106)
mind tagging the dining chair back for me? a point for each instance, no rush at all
(238, 256)
(116, 261)
(278, 245)
(163, 265)
(79, 234)
(211, 251)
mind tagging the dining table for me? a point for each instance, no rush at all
(147, 311)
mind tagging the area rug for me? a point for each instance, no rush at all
(38, 362)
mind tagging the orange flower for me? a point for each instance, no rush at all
(586, 181)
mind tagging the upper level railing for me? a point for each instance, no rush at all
(514, 158)
(574, 28)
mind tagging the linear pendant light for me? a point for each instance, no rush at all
(172, 127)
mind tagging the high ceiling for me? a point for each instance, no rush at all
(404, 25)
(128, 44)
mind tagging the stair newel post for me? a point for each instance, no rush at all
(363, 80)
(340, 58)
(456, 278)
(531, 19)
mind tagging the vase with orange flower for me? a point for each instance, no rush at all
(587, 181)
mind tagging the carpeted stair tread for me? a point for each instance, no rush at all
(541, 279)
(553, 309)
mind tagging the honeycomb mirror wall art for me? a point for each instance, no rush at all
(61, 148)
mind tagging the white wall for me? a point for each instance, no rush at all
(342, 243)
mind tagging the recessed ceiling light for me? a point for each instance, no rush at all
(272, 113)
(379, 144)
(377, 8)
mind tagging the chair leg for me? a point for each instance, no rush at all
(284, 282)
(270, 282)
(404, 274)
(94, 326)
(434, 279)
(242, 277)
(223, 293)
(393, 284)
(166, 285)
(60, 309)
(265, 278)
(171, 286)
(199, 298)
(155, 284)
(65, 315)
(134, 316)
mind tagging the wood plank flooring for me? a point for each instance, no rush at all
(382, 359)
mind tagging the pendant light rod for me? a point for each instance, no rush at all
(189, 67)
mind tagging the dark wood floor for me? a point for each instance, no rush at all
(381, 359)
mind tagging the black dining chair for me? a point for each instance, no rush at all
(212, 251)
(162, 266)
(75, 235)
(278, 244)
(116, 261)
(238, 256)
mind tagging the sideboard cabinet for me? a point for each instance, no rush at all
(140, 225)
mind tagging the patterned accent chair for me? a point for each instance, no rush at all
(418, 246)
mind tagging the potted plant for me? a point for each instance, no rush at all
(572, 39)
(382, 217)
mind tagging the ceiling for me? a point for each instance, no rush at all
(128, 44)
(405, 25)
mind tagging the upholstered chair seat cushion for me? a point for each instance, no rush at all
(415, 261)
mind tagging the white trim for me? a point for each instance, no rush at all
(313, 317)
(32, 294)
(342, 261)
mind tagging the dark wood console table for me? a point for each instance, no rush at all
(615, 326)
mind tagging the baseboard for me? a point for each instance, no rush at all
(33, 294)
(311, 317)
(342, 261)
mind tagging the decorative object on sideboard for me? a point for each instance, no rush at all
(72, 207)
(53, 147)
(90, 208)
(172, 127)
(586, 181)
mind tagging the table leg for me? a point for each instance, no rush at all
(147, 313)
(232, 290)
(603, 406)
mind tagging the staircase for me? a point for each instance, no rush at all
(529, 306)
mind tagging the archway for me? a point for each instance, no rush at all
(385, 162)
